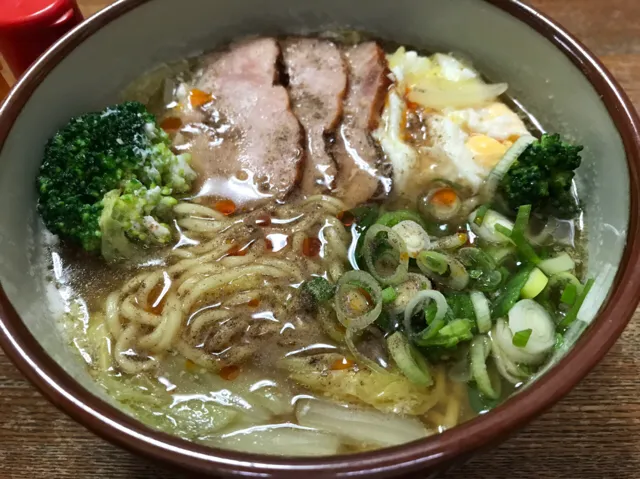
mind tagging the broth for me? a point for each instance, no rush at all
(223, 336)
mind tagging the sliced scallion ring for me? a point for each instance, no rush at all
(420, 300)
(406, 290)
(361, 359)
(507, 368)
(480, 349)
(488, 189)
(440, 204)
(559, 264)
(483, 312)
(384, 248)
(487, 230)
(535, 284)
(358, 300)
(409, 360)
(456, 278)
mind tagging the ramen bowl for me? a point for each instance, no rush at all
(561, 84)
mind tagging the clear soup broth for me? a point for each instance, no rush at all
(328, 246)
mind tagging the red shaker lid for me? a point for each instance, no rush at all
(29, 27)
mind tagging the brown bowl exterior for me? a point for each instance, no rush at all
(428, 456)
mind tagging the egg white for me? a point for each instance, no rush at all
(462, 145)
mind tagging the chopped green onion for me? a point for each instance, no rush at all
(389, 294)
(480, 213)
(573, 312)
(559, 264)
(521, 338)
(392, 218)
(431, 262)
(420, 300)
(525, 249)
(361, 359)
(523, 246)
(385, 255)
(489, 230)
(447, 336)
(535, 284)
(559, 341)
(488, 189)
(409, 360)
(460, 305)
(453, 241)
(510, 293)
(499, 253)
(434, 261)
(358, 300)
(503, 230)
(522, 220)
(480, 349)
(482, 311)
(569, 294)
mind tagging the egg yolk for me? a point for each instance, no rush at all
(487, 152)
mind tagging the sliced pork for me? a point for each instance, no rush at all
(317, 86)
(355, 153)
(249, 146)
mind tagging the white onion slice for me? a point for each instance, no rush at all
(359, 425)
(440, 93)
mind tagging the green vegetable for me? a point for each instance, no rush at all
(517, 235)
(317, 291)
(522, 220)
(389, 295)
(447, 336)
(480, 349)
(460, 306)
(434, 261)
(569, 294)
(454, 275)
(510, 293)
(480, 213)
(542, 177)
(572, 315)
(535, 284)
(521, 338)
(392, 218)
(482, 269)
(120, 151)
(409, 360)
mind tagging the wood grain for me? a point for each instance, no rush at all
(593, 434)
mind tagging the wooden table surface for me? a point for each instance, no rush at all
(593, 433)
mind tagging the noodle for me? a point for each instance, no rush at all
(205, 272)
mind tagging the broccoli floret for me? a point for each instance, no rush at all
(542, 177)
(108, 168)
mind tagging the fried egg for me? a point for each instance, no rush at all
(459, 143)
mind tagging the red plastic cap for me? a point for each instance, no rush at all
(29, 27)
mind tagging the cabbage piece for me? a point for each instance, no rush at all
(280, 439)
(188, 416)
(389, 393)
